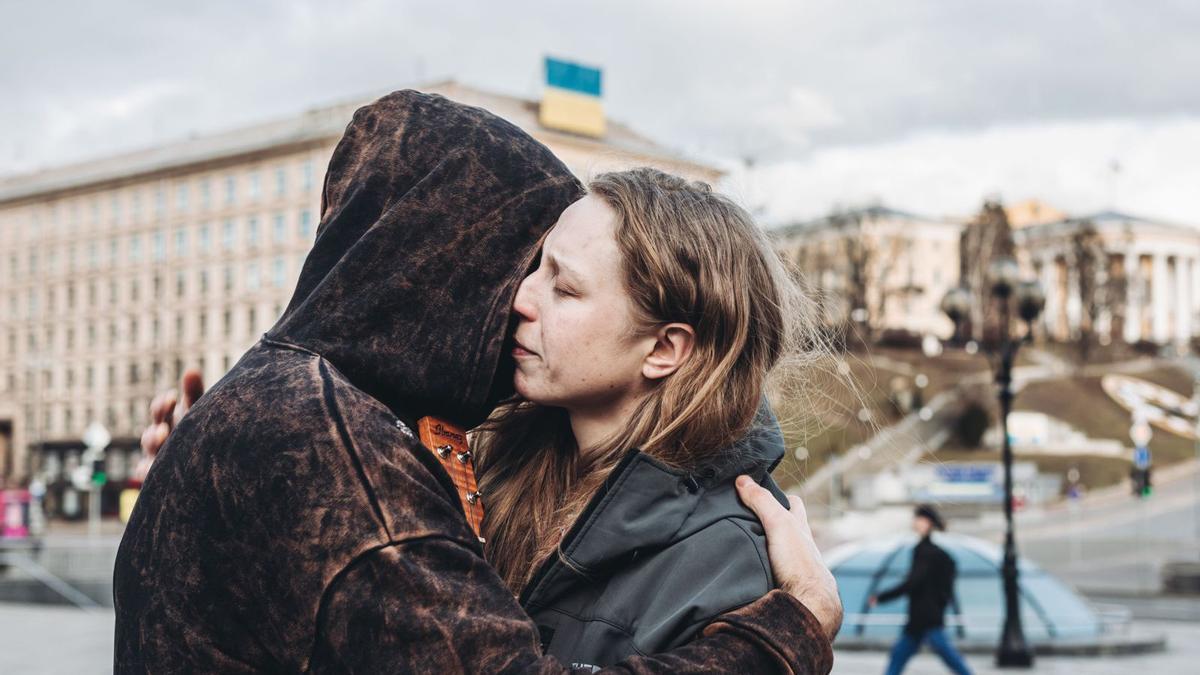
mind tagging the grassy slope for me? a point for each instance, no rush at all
(1081, 402)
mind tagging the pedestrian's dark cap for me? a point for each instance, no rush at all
(927, 511)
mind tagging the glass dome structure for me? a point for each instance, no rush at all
(1051, 611)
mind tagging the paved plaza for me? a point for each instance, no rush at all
(39, 639)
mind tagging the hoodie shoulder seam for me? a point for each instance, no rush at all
(330, 397)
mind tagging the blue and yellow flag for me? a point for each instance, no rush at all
(572, 101)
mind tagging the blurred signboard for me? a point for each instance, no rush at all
(981, 482)
(572, 99)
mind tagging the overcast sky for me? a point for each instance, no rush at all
(923, 105)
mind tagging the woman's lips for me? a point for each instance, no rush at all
(520, 350)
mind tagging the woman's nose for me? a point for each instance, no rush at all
(523, 304)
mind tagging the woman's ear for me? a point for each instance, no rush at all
(672, 346)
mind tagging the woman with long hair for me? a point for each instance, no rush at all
(645, 339)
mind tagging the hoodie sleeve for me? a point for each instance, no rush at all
(434, 605)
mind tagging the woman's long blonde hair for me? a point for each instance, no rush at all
(688, 255)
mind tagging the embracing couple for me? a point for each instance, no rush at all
(608, 349)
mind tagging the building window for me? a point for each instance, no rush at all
(306, 224)
(135, 206)
(306, 176)
(135, 248)
(252, 277)
(205, 194)
(180, 284)
(227, 324)
(160, 202)
(251, 320)
(252, 231)
(93, 255)
(181, 242)
(160, 246)
(203, 325)
(227, 235)
(204, 239)
(203, 282)
(255, 186)
(278, 273)
(228, 279)
(279, 232)
(181, 198)
(280, 181)
(114, 252)
(230, 189)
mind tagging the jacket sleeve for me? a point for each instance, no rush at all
(434, 605)
(916, 575)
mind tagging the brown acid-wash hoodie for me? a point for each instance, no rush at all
(292, 523)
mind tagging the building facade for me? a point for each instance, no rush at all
(1141, 280)
(117, 274)
(896, 265)
(1147, 286)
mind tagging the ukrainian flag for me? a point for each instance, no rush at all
(571, 101)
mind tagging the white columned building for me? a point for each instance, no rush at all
(1134, 296)
(1160, 294)
(1160, 263)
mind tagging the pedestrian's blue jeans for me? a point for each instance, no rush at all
(907, 646)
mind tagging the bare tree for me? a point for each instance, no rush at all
(857, 255)
(1091, 282)
(986, 237)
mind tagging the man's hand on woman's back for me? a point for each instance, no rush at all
(165, 412)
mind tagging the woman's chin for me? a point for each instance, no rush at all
(521, 385)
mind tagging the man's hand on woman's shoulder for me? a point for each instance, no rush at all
(795, 559)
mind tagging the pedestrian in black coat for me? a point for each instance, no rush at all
(929, 587)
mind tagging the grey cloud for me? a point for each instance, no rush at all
(766, 78)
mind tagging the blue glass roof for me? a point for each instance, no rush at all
(1050, 609)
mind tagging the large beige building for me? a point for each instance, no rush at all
(903, 262)
(117, 274)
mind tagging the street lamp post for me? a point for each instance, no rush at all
(1013, 650)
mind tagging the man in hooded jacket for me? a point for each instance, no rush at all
(292, 522)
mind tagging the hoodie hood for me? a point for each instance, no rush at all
(430, 215)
